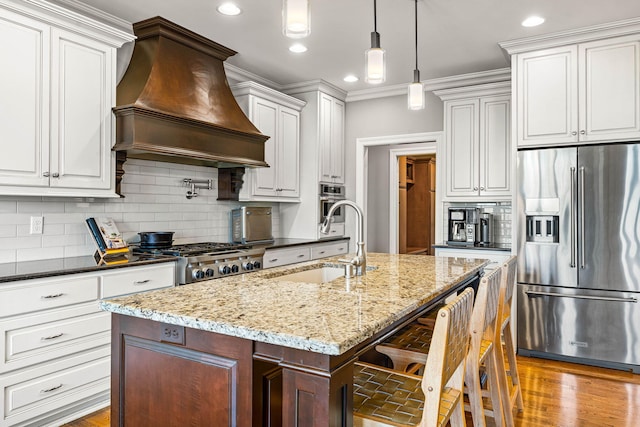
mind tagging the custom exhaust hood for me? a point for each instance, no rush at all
(174, 104)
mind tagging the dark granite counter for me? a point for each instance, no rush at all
(25, 270)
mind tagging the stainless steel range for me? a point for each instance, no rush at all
(205, 261)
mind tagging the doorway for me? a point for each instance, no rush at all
(386, 195)
(416, 204)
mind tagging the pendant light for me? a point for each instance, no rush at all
(375, 72)
(415, 100)
(296, 18)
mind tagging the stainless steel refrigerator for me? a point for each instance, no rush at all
(579, 254)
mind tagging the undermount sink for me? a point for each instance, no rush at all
(315, 275)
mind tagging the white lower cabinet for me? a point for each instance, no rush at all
(284, 256)
(291, 255)
(495, 257)
(324, 250)
(55, 342)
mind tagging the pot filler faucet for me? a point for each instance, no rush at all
(359, 262)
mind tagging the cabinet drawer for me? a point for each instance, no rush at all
(275, 258)
(137, 279)
(31, 394)
(337, 229)
(27, 340)
(329, 249)
(34, 295)
(496, 257)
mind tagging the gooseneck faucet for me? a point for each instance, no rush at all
(359, 262)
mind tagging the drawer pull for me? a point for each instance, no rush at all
(301, 256)
(52, 296)
(49, 390)
(52, 337)
(141, 282)
(273, 260)
(321, 252)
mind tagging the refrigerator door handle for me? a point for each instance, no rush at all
(555, 294)
(572, 263)
(581, 195)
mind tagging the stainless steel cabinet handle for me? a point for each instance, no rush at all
(321, 252)
(555, 294)
(51, 296)
(581, 194)
(45, 174)
(475, 188)
(49, 390)
(583, 132)
(141, 282)
(51, 337)
(481, 188)
(574, 133)
(301, 256)
(55, 175)
(273, 260)
(572, 263)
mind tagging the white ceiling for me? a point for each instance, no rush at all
(455, 36)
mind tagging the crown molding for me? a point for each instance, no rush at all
(487, 89)
(240, 75)
(579, 35)
(432, 85)
(76, 17)
(315, 85)
(273, 95)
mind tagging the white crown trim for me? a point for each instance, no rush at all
(256, 89)
(579, 35)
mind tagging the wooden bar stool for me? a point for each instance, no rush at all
(509, 379)
(382, 396)
(482, 350)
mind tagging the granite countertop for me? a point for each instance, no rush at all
(327, 318)
(491, 247)
(26, 270)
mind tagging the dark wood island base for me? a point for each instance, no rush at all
(168, 375)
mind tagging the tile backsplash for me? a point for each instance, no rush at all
(155, 200)
(501, 212)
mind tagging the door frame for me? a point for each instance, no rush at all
(414, 143)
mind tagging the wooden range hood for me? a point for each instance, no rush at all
(174, 104)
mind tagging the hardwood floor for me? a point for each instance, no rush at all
(555, 394)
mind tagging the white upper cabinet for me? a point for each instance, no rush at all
(58, 93)
(578, 88)
(278, 116)
(477, 127)
(331, 118)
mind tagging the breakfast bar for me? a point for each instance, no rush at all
(275, 347)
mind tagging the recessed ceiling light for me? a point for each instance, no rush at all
(298, 48)
(532, 21)
(350, 78)
(229, 9)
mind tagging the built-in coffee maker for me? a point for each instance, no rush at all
(463, 226)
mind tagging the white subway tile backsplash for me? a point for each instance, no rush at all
(154, 201)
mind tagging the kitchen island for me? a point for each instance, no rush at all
(263, 349)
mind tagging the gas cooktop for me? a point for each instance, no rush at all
(209, 260)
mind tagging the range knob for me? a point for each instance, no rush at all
(197, 274)
(248, 266)
(235, 268)
(257, 264)
(209, 272)
(224, 269)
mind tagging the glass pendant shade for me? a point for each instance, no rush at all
(296, 18)
(375, 72)
(416, 96)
